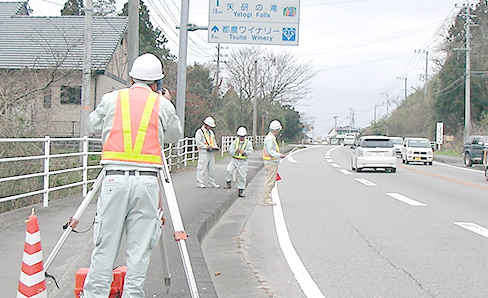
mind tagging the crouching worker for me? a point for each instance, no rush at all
(239, 149)
(134, 124)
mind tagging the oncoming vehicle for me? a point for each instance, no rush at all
(417, 150)
(350, 139)
(373, 152)
(473, 149)
(397, 144)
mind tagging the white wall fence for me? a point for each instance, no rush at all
(44, 159)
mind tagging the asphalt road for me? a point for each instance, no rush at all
(419, 232)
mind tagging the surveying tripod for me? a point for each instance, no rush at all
(166, 189)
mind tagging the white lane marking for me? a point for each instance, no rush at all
(345, 172)
(330, 160)
(309, 287)
(473, 228)
(405, 199)
(335, 165)
(457, 167)
(365, 182)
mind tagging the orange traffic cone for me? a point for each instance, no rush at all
(32, 282)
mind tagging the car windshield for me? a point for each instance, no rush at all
(397, 141)
(419, 143)
(377, 143)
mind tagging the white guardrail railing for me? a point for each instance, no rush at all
(43, 159)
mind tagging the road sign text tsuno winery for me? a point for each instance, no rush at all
(263, 22)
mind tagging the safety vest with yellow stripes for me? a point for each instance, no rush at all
(209, 140)
(266, 156)
(239, 155)
(134, 134)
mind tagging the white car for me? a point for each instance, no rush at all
(397, 144)
(350, 139)
(417, 150)
(373, 152)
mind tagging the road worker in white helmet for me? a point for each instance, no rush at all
(271, 158)
(239, 149)
(207, 146)
(129, 196)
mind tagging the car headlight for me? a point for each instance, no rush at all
(360, 152)
(409, 152)
(429, 152)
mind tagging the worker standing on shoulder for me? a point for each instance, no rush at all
(271, 157)
(207, 146)
(239, 149)
(134, 123)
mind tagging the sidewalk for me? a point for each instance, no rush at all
(200, 210)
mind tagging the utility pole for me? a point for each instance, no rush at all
(467, 110)
(255, 104)
(376, 105)
(387, 103)
(86, 76)
(132, 35)
(426, 75)
(218, 65)
(405, 81)
(351, 119)
(182, 55)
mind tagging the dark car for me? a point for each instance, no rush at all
(473, 149)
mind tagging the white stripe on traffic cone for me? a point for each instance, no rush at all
(32, 282)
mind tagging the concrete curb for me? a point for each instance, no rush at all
(203, 224)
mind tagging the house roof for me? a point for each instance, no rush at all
(47, 42)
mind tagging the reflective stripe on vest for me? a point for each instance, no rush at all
(266, 156)
(239, 155)
(208, 139)
(146, 148)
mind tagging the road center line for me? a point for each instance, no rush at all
(405, 199)
(473, 228)
(443, 177)
(345, 172)
(335, 165)
(308, 286)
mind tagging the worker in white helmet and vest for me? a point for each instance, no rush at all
(207, 146)
(239, 149)
(271, 158)
(134, 124)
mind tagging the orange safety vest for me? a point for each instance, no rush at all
(240, 155)
(266, 156)
(134, 135)
(208, 139)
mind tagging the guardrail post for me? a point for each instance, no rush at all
(47, 151)
(85, 165)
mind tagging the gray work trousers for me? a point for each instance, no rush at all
(125, 203)
(241, 166)
(205, 167)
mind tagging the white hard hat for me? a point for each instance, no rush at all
(209, 121)
(275, 124)
(241, 131)
(147, 67)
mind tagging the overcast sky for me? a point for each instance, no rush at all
(362, 49)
